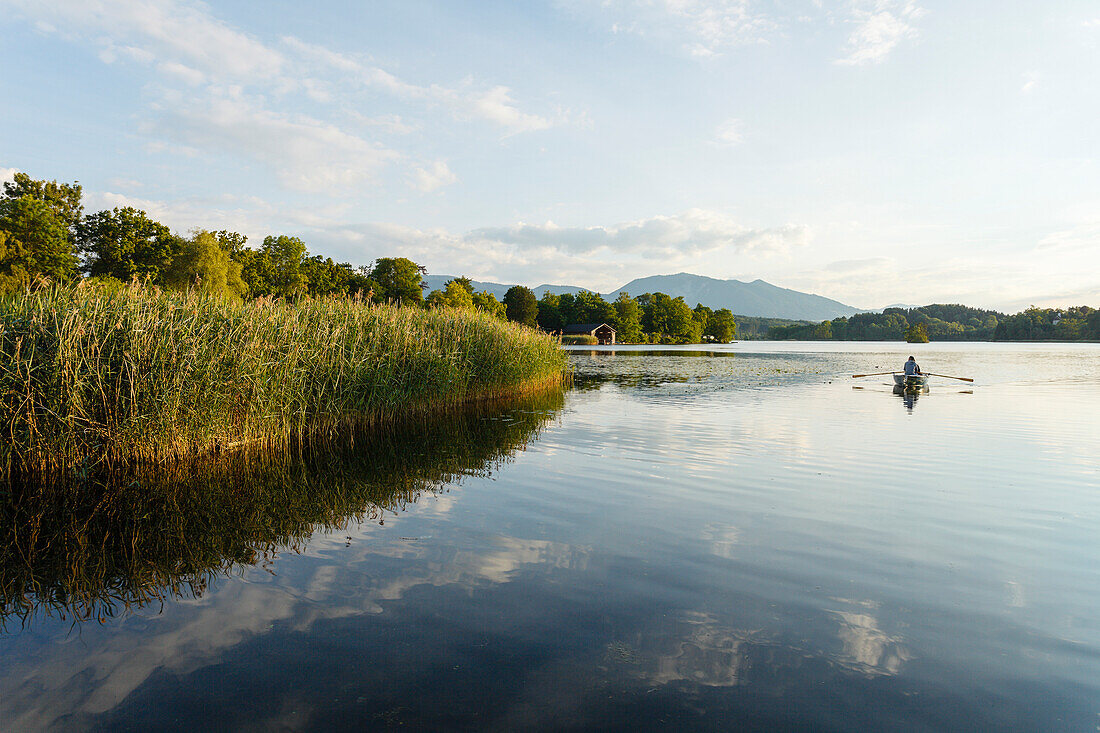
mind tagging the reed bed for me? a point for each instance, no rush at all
(90, 376)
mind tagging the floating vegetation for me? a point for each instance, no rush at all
(91, 376)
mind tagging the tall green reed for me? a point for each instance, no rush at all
(89, 375)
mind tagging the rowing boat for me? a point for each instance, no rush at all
(910, 381)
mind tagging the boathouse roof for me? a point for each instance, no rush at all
(584, 327)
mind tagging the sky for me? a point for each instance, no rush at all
(872, 151)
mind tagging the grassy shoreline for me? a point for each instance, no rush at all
(92, 376)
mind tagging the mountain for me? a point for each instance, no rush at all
(757, 298)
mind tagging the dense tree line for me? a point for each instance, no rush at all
(654, 318)
(44, 234)
(940, 322)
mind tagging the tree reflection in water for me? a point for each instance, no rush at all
(102, 546)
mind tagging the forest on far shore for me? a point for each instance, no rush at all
(939, 322)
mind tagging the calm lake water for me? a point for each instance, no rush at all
(736, 538)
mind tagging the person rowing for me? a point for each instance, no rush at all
(912, 368)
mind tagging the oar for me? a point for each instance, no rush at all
(948, 376)
(876, 374)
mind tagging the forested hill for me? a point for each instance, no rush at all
(940, 322)
(757, 299)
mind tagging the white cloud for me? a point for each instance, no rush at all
(1082, 238)
(167, 30)
(1030, 80)
(597, 257)
(496, 105)
(249, 215)
(435, 176)
(392, 124)
(702, 28)
(306, 154)
(492, 105)
(7, 174)
(730, 132)
(218, 88)
(880, 26)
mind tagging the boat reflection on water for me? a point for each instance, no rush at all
(909, 395)
(99, 547)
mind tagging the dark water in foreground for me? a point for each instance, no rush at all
(685, 541)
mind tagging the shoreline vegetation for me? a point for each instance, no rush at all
(93, 376)
(939, 322)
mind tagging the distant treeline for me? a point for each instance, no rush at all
(45, 236)
(939, 322)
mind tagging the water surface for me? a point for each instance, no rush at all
(739, 537)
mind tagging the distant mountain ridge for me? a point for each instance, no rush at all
(756, 298)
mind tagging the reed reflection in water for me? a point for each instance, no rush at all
(102, 546)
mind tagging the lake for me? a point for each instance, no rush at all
(691, 538)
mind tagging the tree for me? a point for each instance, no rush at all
(565, 309)
(701, 314)
(231, 242)
(521, 306)
(257, 270)
(456, 293)
(487, 302)
(721, 326)
(669, 320)
(628, 319)
(36, 241)
(325, 277)
(917, 334)
(398, 279)
(549, 318)
(63, 199)
(286, 254)
(202, 263)
(125, 243)
(589, 307)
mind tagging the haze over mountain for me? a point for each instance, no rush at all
(756, 298)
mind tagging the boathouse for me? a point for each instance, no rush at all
(604, 333)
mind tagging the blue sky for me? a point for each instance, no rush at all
(873, 151)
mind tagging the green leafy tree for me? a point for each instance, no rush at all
(63, 199)
(202, 263)
(721, 326)
(628, 319)
(823, 331)
(701, 314)
(487, 302)
(325, 277)
(125, 243)
(257, 270)
(669, 320)
(37, 242)
(521, 306)
(397, 279)
(566, 309)
(456, 293)
(231, 242)
(549, 318)
(288, 278)
(589, 307)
